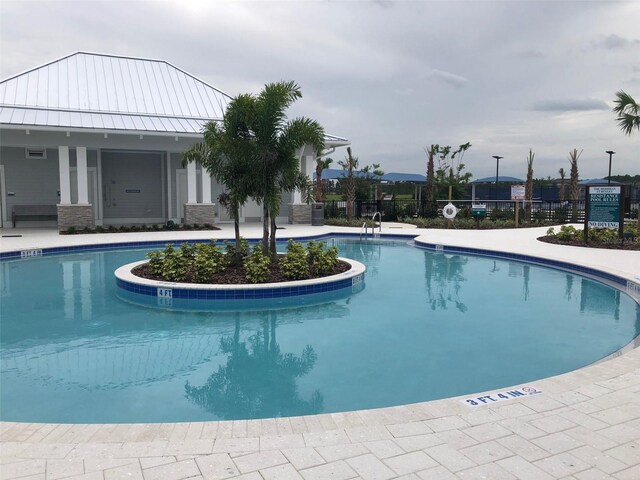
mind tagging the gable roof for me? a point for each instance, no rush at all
(94, 91)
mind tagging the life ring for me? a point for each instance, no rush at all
(449, 211)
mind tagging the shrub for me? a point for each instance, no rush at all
(208, 261)
(188, 252)
(321, 260)
(174, 268)
(156, 260)
(539, 216)
(256, 266)
(294, 265)
(568, 232)
(230, 249)
(464, 212)
(560, 215)
(502, 214)
(604, 235)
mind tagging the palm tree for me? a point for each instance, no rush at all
(562, 174)
(321, 165)
(627, 111)
(226, 153)
(277, 141)
(575, 192)
(528, 189)
(350, 163)
(432, 151)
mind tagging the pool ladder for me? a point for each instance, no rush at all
(365, 229)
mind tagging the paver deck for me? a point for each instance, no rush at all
(585, 424)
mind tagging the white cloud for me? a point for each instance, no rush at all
(391, 76)
(457, 81)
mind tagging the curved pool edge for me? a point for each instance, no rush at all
(351, 281)
(596, 389)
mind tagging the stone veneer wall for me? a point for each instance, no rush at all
(77, 216)
(299, 214)
(199, 213)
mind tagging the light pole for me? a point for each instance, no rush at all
(497, 157)
(610, 152)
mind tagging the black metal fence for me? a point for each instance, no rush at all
(393, 210)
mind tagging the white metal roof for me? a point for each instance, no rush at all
(87, 90)
(111, 93)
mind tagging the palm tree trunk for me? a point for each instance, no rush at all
(236, 227)
(272, 239)
(265, 228)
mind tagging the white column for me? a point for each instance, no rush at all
(100, 197)
(169, 180)
(65, 182)
(83, 189)
(310, 165)
(191, 182)
(206, 186)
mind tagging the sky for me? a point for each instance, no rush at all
(391, 76)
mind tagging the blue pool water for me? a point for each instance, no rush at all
(427, 325)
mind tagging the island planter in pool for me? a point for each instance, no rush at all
(197, 296)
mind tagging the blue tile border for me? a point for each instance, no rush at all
(572, 267)
(166, 292)
(96, 247)
(615, 279)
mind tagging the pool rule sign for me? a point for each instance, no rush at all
(604, 209)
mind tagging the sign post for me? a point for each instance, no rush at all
(517, 193)
(604, 209)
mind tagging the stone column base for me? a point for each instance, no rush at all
(78, 216)
(199, 213)
(299, 214)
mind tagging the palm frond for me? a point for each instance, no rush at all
(627, 112)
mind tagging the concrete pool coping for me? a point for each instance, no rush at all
(584, 424)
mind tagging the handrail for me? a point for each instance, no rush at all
(373, 226)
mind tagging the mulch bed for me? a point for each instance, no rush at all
(236, 274)
(628, 245)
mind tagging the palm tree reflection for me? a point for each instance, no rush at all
(444, 274)
(258, 380)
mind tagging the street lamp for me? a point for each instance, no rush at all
(497, 157)
(610, 152)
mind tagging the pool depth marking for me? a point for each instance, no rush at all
(501, 396)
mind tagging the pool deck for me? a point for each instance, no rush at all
(584, 425)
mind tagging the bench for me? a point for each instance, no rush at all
(34, 212)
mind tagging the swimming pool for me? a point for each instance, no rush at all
(427, 325)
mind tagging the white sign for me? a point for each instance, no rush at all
(517, 192)
(501, 396)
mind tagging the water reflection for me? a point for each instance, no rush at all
(258, 380)
(444, 276)
(600, 299)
